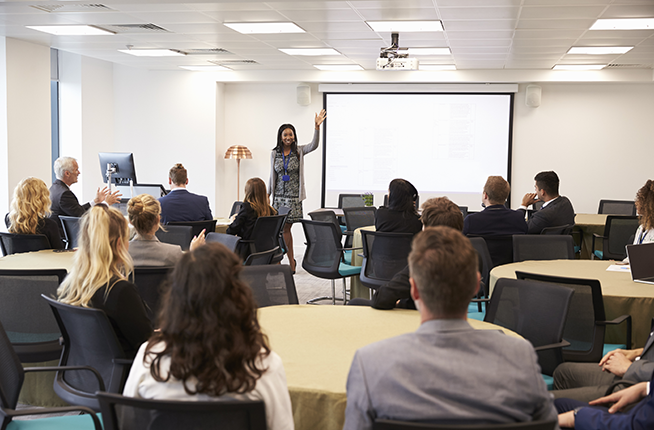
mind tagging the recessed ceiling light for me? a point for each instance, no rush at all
(153, 52)
(405, 26)
(437, 66)
(430, 51)
(579, 67)
(212, 68)
(309, 51)
(338, 67)
(624, 24)
(599, 50)
(263, 27)
(71, 30)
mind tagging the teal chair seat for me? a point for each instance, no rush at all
(347, 256)
(549, 381)
(69, 422)
(599, 254)
(346, 270)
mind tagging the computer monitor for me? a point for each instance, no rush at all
(121, 166)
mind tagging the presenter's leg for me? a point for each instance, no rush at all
(288, 238)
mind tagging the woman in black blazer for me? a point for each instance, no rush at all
(401, 215)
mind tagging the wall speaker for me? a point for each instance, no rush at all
(532, 97)
(303, 95)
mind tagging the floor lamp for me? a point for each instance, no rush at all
(238, 152)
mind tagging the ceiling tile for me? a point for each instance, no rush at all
(299, 16)
(458, 35)
(581, 24)
(570, 12)
(462, 25)
(425, 14)
(483, 13)
(638, 11)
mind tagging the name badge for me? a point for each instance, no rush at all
(286, 178)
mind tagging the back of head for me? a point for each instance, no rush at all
(402, 195)
(441, 211)
(102, 255)
(62, 165)
(497, 190)
(645, 204)
(443, 264)
(209, 325)
(31, 202)
(257, 197)
(548, 181)
(143, 211)
(178, 174)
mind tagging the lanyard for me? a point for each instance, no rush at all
(286, 161)
(642, 236)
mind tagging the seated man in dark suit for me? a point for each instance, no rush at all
(396, 293)
(181, 205)
(556, 210)
(446, 372)
(496, 219)
(64, 201)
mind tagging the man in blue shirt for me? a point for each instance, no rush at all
(181, 205)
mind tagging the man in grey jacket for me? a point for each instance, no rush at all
(446, 371)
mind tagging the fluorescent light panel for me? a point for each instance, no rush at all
(599, 50)
(624, 24)
(405, 26)
(263, 27)
(338, 67)
(579, 67)
(309, 51)
(152, 52)
(430, 51)
(212, 68)
(437, 66)
(71, 30)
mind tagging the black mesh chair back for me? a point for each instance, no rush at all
(416, 201)
(559, 229)
(71, 230)
(322, 255)
(129, 413)
(542, 247)
(197, 226)
(499, 247)
(29, 323)
(266, 233)
(272, 284)
(89, 340)
(12, 243)
(384, 255)
(618, 231)
(485, 262)
(231, 242)
(464, 211)
(350, 200)
(535, 310)
(149, 282)
(236, 207)
(177, 235)
(617, 207)
(261, 258)
(404, 425)
(325, 216)
(356, 218)
(586, 325)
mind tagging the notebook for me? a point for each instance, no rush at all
(641, 260)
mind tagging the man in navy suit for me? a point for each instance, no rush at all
(556, 210)
(496, 219)
(179, 204)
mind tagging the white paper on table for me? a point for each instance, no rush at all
(619, 268)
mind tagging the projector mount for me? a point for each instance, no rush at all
(394, 51)
(396, 58)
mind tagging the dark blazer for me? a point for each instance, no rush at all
(49, 228)
(243, 226)
(495, 220)
(64, 202)
(391, 221)
(398, 288)
(181, 205)
(127, 315)
(558, 212)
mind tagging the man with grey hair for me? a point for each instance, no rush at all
(64, 201)
(446, 371)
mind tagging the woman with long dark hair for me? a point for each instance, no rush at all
(210, 345)
(400, 216)
(287, 176)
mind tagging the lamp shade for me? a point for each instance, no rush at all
(238, 152)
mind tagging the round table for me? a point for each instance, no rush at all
(317, 345)
(621, 294)
(589, 224)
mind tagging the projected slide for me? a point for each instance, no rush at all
(445, 144)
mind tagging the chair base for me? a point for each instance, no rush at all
(333, 297)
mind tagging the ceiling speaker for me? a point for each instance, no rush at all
(532, 98)
(303, 95)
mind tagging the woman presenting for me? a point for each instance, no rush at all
(287, 176)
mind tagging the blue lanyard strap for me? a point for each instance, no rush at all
(286, 161)
(642, 236)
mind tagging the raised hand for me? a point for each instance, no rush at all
(320, 118)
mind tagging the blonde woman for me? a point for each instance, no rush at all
(30, 209)
(255, 204)
(98, 278)
(146, 250)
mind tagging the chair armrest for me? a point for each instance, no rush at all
(26, 412)
(123, 361)
(348, 233)
(349, 249)
(480, 301)
(561, 344)
(595, 236)
(620, 320)
(247, 241)
(56, 368)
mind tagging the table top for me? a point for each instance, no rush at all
(616, 284)
(337, 211)
(590, 219)
(46, 259)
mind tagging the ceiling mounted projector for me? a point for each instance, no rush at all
(396, 58)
